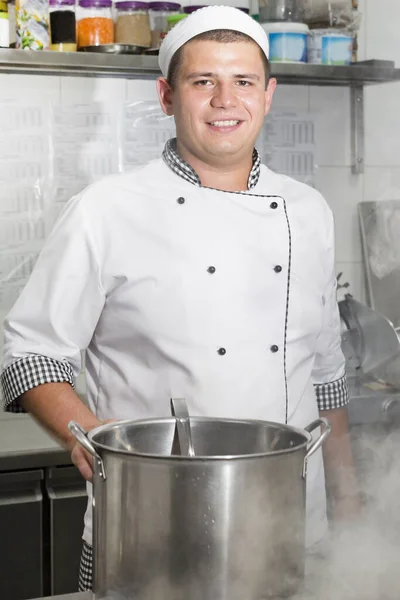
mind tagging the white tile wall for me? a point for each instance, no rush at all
(288, 96)
(144, 90)
(343, 192)
(331, 105)
(29, 87)
(382, 124)
(382, 183)
(92, 89)
(382, 29)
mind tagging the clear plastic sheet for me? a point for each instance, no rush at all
(26, 172)
(50, 152)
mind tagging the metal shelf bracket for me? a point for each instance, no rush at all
(357, 129)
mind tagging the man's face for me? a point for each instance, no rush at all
(219, 100)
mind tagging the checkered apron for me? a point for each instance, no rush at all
(86, 568)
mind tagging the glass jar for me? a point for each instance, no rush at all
(281, 10)
(62, 25)
(172, 20)
(132, 25)
(158, 13)
(12, 22)
(95, 23)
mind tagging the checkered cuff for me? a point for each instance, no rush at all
(29, 372)
(334, 394)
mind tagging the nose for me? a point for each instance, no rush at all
(224, 96)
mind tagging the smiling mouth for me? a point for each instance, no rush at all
(231, 123)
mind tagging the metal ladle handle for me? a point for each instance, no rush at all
(180, 411)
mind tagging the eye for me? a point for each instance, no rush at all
(202, 82)
(244, 83)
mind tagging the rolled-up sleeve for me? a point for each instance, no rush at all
(56, 314)
(329, 374)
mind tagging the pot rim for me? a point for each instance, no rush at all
(109, 426)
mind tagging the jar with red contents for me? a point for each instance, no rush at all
(95, 23)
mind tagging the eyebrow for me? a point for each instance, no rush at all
(200, 74)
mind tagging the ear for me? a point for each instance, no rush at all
(165, 96)
(269, 92)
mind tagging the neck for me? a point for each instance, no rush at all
(229, 178)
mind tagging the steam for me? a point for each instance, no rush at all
(361, 560)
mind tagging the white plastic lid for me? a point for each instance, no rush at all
(331, 33)
(284, 27)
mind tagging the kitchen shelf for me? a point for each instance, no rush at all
(142, 66)
(82, 64)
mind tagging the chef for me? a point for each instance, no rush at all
(201, 274)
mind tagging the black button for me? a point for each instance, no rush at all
(274, 205)
(211, 270)
(274, 348)
(221, 351)
(278, 269)
(181, 200)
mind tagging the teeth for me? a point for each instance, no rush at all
(224, 123)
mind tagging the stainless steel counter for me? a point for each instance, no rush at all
(25, 445)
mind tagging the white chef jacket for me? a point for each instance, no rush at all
(176, 290)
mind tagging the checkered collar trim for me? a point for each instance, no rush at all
(184, 170)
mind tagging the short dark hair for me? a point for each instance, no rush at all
(223, 36)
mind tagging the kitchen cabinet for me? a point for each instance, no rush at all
(66, 493)
(21, 535)
(42, 503)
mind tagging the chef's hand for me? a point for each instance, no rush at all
(83, 460)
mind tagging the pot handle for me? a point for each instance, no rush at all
(326, 430)
(81, 435)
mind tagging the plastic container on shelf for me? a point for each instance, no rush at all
(12, 23)
(95, 23)
(132, 25)
(158, 13)
(330, 47)
(172, 20)
(62, 25)
(287, 41)
(190, 9)
(32, 20)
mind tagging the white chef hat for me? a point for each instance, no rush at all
(205, 19)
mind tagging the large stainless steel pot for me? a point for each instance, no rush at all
(225, 524)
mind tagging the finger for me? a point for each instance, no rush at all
(83, 461)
